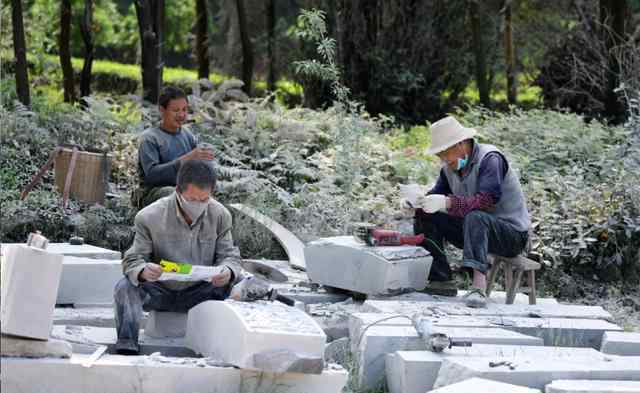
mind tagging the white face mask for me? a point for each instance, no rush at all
(194, 209)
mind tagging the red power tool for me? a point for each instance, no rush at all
(385, 237)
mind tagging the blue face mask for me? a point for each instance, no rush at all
(462, 162)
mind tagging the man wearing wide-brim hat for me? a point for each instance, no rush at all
(477, 205)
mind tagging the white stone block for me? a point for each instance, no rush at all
(86, 316)
(88, 281)
(166, 324)
(155, 374)
(531, 372)
(86, 339)
(589, 386)
(479, 385)
(417, 371)
(237, 332)
(558, 332)
(492, 309)
(621, 343)
(27, 348)
(377, 341)
(81, 250)
(498, 297)
(30, 278)
(342, 262)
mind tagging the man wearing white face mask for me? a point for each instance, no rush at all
(477, 205)
(187, 226)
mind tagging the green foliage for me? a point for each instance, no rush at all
(528, 94)
(410, 162)
(28, 137)
(312, 28)
(112, 29)
(581, 179)
(349, 152)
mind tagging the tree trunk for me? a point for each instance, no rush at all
(20, 51)
(613, 18)
(271, 38)
(247, 51)
(509, 55)
(65, 51)
(86, 25)
(479, 53)
(357, 30)
(202, 40)
(150, 15)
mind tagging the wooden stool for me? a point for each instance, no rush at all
(520, 264)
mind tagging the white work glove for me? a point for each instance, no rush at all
(432, 203)
(406, 210)
(406, 205)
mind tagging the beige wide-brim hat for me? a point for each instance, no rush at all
(446, 133)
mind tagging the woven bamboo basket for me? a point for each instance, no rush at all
(90, 175)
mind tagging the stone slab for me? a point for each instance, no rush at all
(507, 310)
(238, 331)
(155, 374)
(300, 288)
(166, 324)
(621, 343)
(479, 385)
(82, 250)
(498, 297)
(334, 318)
(86, 316)
(417, 371)
(557, 332)
(589, 386)
(531, 372)
(377, 341)
(337, 351)
(21, 347)
(88, 281)
(30, 279)
(290, 242)
(342, 262)
(86, 339)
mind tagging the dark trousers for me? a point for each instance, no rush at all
(131, 301)
(142, 197)
(477, 234)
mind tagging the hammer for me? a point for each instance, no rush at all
(251, 289)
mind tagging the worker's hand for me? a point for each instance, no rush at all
(151, 272)
(406, 205)
(222, 279)
(198, 154)
(407, 210)
(432, 203)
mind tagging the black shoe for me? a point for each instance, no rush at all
(442, 288)
(127, 347)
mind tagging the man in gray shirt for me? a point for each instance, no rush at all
(164, 147)
(188, 226)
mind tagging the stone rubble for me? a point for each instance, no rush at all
(267, 346)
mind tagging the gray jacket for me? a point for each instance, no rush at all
(512, 206)
(161, 232)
